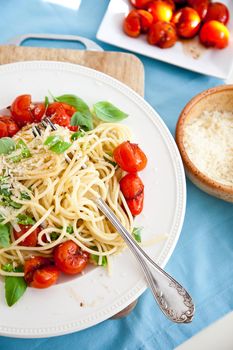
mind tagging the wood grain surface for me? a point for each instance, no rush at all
(122, 66)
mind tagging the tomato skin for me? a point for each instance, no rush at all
(39, 272)
(69, 258)
(29, 241)
(136, 204)
(146, 19)
(214, 34)
(38, 112)
(131, 24)
(21, 110)
(160, 10)
(45, 277)
(61, 113)
(3, 129)
(162, 34)
(201, 6)
(140, 4)
(130, 157)
(217, 11)
(187, 22)
(131, 186)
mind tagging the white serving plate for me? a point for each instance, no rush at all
(218, 63)
(57, 310)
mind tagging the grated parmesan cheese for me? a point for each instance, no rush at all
(208, 141)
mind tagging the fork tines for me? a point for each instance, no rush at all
(45, 122)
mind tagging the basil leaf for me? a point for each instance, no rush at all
(80, 119)
(70, 229)
(4, 235)
(24, 195)
(14, 204)
(137, 233)
(77, 135)
(107, 112)
(14, 289)
(52, 140)
(95, 258)
(25, 152)
(24, 219)
(7, 145)
(60, 147)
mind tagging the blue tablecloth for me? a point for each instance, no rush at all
(203, 258)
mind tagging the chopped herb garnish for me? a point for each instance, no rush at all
(137, 233)
(24, 195)
(56, 144)
(54, 236)
(70, 229)
(24, 219)
(95, 258)
(77, 135)
(25, 152)
(8, 267)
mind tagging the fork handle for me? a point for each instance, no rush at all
(174, 301)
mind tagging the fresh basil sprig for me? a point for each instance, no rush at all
(83, 116)
(7, 145)
(107, 112)
(15, 287)
(24, 219)
(4, 235)
(56, 144)
(137, 233)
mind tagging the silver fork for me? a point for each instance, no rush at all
(174, 301)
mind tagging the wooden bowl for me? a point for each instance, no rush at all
(219, 98)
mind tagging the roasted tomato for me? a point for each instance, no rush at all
(136, 204)
(140, 4)
(187, 22)
(130, 157)
(133, 190)
(217, 12)
(146, 19)
(29, 241)
(201, 6)
(214, 34)
(160, 10)
(25, 112)
(61, 113)
(162, 34)
(3, 129)
(132, 24)
(69, 258)
(40, 273)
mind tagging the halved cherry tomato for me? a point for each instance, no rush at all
(201, 6)
(21, 110)
(140, 4)
(160, 10)
(40, 273)
(217, 11)
(69, 258)
(130, 157)
(136, 204)
(187, 22)
(38, 112)
(162, 34)
(61, 113)
(29, 241)
(146, 19)
(214, 34)
(3, 129)
(131, 186)
(132, 24)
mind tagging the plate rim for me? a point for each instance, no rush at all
(167, 250)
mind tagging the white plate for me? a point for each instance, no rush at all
(57, 310)
(218, 63)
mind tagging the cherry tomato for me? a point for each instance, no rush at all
(201, 6)
(180, 2)
(12, 127)
(136, 204)
(38, 112)
(162, 34)
(214, 34)
(69, 258)
(3, 129)
(187, 22)
(130, 157)
(21, 110)
(132, 24)
(29, 241)
(131, 186)
(160, 10)
(218, 12)
(61, 114)
(146, 19)
(40, 273)
(140, 4)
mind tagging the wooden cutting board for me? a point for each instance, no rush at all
(125, 67)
